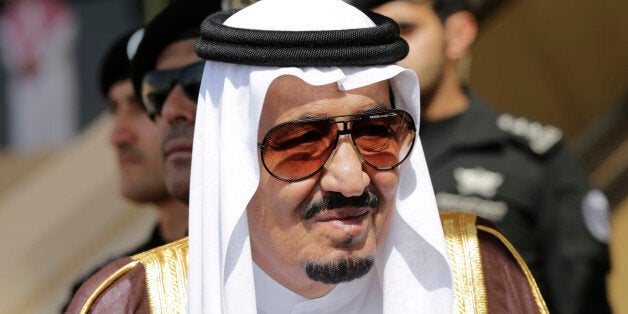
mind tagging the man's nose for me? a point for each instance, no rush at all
(121, 132)
(344, 172)
(178, 107)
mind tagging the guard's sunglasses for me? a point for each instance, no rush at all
(297, 150)
(157, 84)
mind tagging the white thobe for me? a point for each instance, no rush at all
(363, 296)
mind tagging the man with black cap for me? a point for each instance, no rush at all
(309, 190)
(137, 143)
(510, 170)
(166, 73)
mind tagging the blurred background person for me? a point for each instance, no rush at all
(38, 42)
(168, 73)
(137, 144)
(511, 170)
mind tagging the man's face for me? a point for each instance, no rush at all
(137, 142)
(351, 201)
(178, 115)
(423, 30)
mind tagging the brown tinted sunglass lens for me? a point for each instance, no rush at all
(384, 141)
(297, 150)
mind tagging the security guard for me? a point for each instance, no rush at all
(507, 169)
(517, 173)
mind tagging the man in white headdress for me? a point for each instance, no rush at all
(309, 191)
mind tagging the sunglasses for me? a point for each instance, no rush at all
(157, 84)
(297, 150)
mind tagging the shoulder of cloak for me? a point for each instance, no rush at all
(488, 273)
(154, 281)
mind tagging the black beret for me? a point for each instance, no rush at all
(115, 65)
(180, 20)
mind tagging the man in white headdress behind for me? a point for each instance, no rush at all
(309, 191)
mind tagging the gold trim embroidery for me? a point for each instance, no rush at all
(466, 263)
(538, 298)
(166, 277)
(105, 284)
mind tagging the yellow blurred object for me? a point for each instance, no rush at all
(13, 166)
(618, 279)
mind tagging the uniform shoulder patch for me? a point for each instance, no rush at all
(540, 138)
(478, 181)
(596, 214)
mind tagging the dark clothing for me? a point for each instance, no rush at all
(154, 241)
(518, 174)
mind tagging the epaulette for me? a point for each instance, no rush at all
(540, 138)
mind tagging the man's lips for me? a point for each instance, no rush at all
(176, 146)
(341, 214)
(128, 158)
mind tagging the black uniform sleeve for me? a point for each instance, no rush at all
(573, 277)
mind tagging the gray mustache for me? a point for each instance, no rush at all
(333, 200)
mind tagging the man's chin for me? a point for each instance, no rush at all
(179, 188)
(343, 269)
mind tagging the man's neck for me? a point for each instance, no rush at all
(448, 98)
(173, 219)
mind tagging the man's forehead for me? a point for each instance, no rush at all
(177, 54)
(290, 98)
(287, 92)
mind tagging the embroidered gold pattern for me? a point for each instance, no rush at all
(466, 263)
(166, 276)
(105, 284)
(538, 298)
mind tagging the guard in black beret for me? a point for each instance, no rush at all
(136, 142)
(511, 170)
(167, 73)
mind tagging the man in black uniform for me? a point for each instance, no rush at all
(165, 56)
(511, 170)
(136, 141)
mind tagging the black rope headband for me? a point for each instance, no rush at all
(377, 45)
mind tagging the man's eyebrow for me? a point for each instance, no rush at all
(307, 117)
(376, 108)
(373, 109)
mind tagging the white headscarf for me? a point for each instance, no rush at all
(411, 264)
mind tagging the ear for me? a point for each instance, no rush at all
(461, 28)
